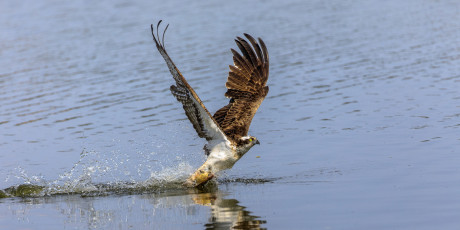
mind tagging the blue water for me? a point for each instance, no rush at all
(360, 129)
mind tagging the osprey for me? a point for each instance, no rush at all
(226, 131)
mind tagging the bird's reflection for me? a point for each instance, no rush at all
(226, 213)
(156, 208)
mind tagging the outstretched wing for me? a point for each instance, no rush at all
(202, 121)
(246, 87)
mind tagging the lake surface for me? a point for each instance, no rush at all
(360, 129)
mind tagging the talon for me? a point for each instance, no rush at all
(199, 178)
(208, 178)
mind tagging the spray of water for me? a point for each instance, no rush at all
(98, 173)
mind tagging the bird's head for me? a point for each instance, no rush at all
(247, 142)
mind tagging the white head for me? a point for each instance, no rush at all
(245, 143)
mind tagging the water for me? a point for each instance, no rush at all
(360, 128)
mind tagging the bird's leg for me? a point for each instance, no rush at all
(202, 175)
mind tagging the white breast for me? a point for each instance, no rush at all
(222, 156)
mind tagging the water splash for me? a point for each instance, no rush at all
(116, 171)
(96, 173)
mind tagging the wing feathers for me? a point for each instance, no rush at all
(202, 121)
(266, 62)
(190, 110)
(247, 51)
(240, 62)
(255, 45)
(245, 86)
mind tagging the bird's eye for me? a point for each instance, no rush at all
(250, 139)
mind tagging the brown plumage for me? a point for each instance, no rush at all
(184, 93)
(245, 87)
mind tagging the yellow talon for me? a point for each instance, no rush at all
(198, 178)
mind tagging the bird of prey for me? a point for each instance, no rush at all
(226, 131)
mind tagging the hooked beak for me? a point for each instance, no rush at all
(257, 142)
